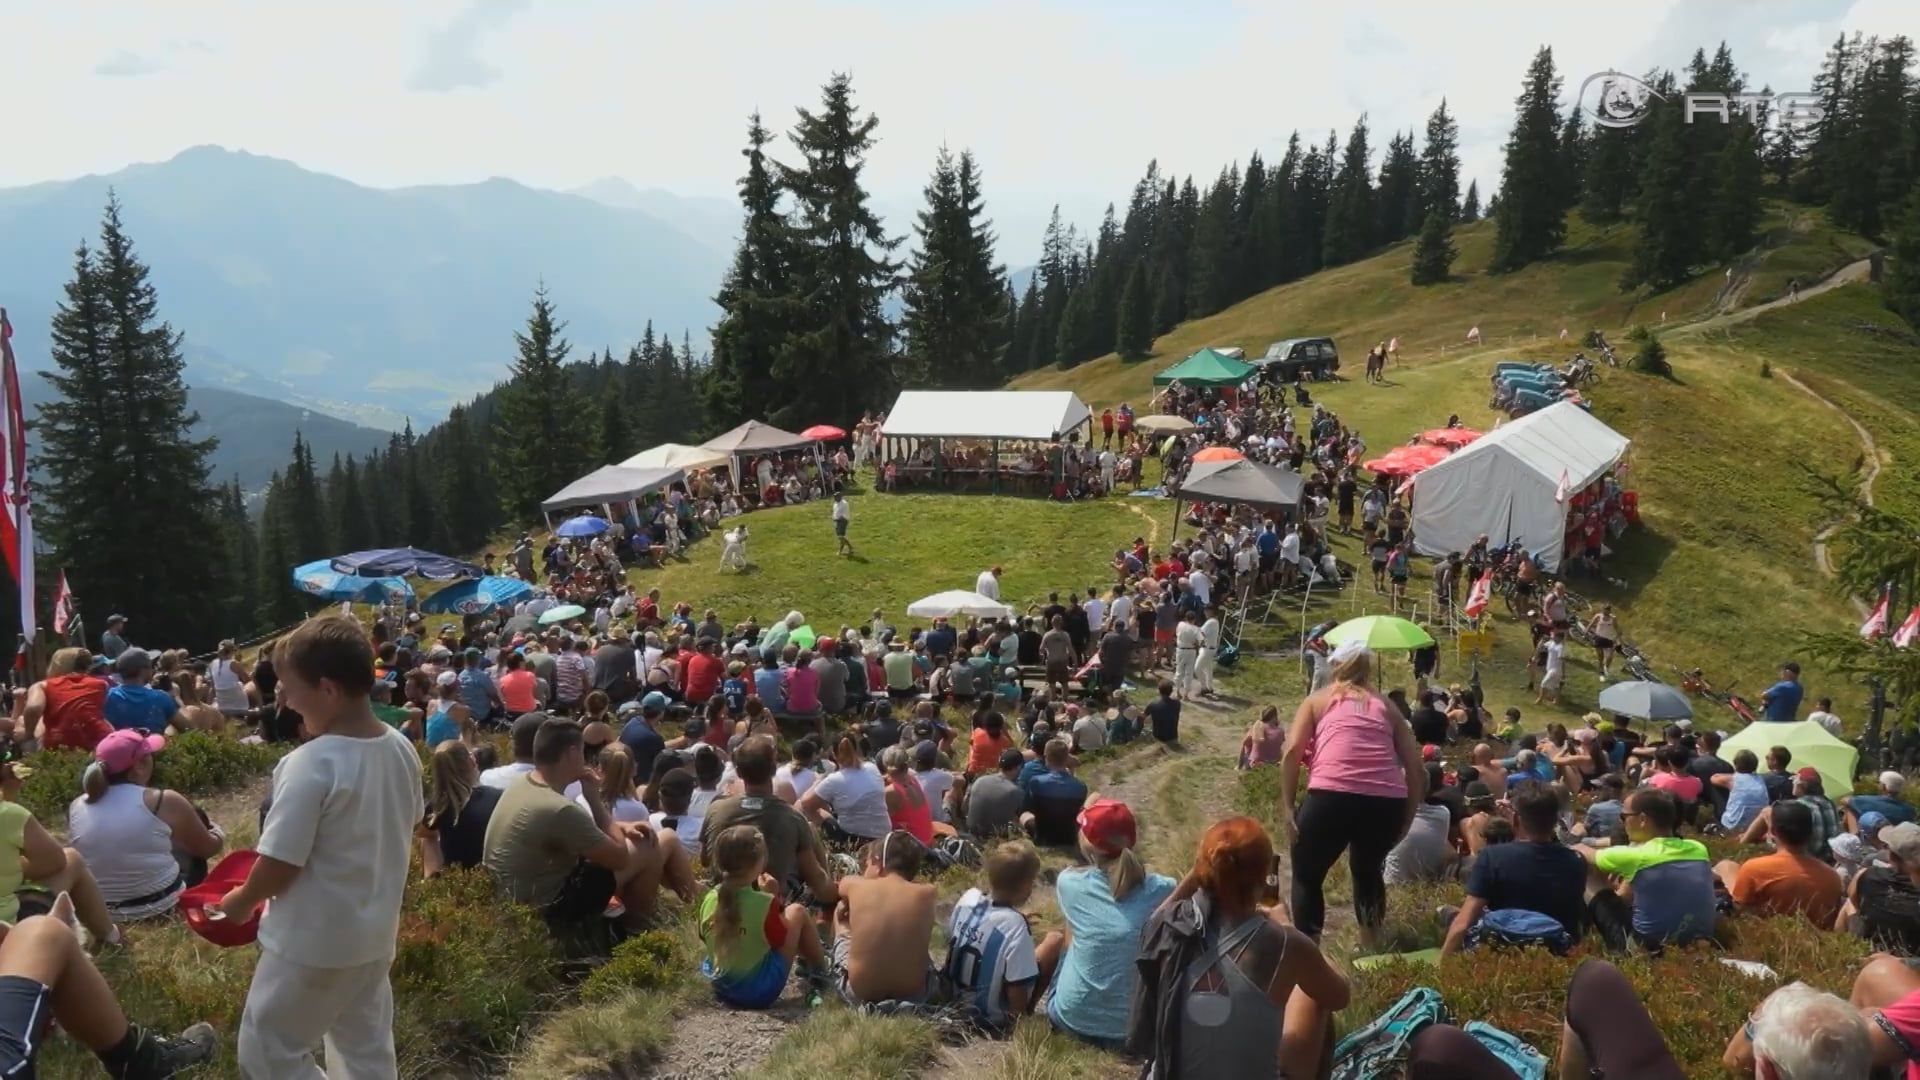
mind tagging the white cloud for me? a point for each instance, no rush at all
(452, 59)
(127, 64)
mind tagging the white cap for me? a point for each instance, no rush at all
(1348, 650)
(1893, 781)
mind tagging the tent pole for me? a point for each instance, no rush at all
(996, 466)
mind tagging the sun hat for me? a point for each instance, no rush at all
(122, 750)
(1108, 825)
(1903, 842)
(1349, 650)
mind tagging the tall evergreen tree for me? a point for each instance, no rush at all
(1399, 205)
(1470, 206)
(1133, 336)
(954, 296)
(1903, 283)
(1532, 218)
(423, 526)
(308, 534)
(1607, 178)
(354, 526)
(1349, 230)
(756, 299)
(240, 569)
(1670, 242)
(1021, 351)
(1210, 259)
(279, 605)
(127, 502)
(1440, 165)
(541, 433)
(1573, 157)
(467, 504)
(617, 442)
(1734, 215)
(839, 359)
(1434, 253)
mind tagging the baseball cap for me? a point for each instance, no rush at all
(133, 661)
(116, 617)
(122, 750)
(447, 678)
(654, 701)
(1893, 781)
(1903, 842)
(1108, 825)
(1807, 773)
(1011, 758)
(1429, 752)
(1872, 822)
(925, 754)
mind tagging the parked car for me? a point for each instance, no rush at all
(1295, 358)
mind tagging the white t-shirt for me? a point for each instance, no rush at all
(1122, 613)
(936, 783)
(801, 779)
(1290, 548)
(987, 585)
(621, 809)
(988, 948)
(344, 810)
(1202, 586)
(1096, 610)
(702, 798)
(1826, 720)
(686, 827)
(858, 800)
(501, 775)
(1556, 658)
(839, 509)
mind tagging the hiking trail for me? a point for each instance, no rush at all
(1852, 272)
(1870, 471)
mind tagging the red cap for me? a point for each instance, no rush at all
(1429, 752)
(1108, 826)
(1807, 773)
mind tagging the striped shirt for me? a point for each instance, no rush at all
(571, 674)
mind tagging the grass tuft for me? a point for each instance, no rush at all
(849, 1045)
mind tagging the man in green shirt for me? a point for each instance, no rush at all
(902, 674)
(1671, 879)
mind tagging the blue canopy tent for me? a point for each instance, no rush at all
(404, 562)
(476, 596)
(322, 582)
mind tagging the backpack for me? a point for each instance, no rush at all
(1381, 1048)
(1526, 1062)
(1519, 928)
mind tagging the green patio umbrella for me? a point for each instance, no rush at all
(1381, 633)
(561, 614)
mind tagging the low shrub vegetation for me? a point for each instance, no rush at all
(650, 961)
(194, 763)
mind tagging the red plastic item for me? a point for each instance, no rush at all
(221, 879)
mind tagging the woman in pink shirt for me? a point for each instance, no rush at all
(1367, 780)
(517, 684)
(1669, 775)
(803, 686)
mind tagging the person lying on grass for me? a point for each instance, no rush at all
(751, 940)
(882, 929)
(997, 971)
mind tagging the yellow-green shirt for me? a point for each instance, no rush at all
(13, 836)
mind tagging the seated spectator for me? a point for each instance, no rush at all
(1809, 790)
(888, 959)
(987, 745)
(902, 674)
(708, 770)
(793, 779)
(908, 808)
(1746, 793)
(935, 781)
(458, 810)
(619, 787)
(850, 803)
(1802, 1032)
(1789, 881)
(795, 857)
(1887, 993)
(1669, 775)
(1264, 741)
(770, 683)
(1105, 903)
(1778, 779)
(28, 852)
(1883, 902)
(996, 801)
(1055, 798)
(449, 719)
(1888, 803)
(1491, 774)
(1426, 852)
(525, 728)
(996, 970)
(546, 850)
(1224, 989)
(143, 845)
(1670, 881)
(67, 709)
(1533, 873)
(133, 704)
(751, 939)
(802, 691)
(516, 684)
(673, 795)
(830, 673)
(638, 734)
(1603, 814)
(1163, 714)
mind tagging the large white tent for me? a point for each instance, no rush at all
(1041, 415)
(1504, 486)
(610, 484)
(676, 456)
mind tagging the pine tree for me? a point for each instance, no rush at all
(279, 605)
(1470, 206)
(1671, 241)
(1532, 217)
(838, 361)
(127, 504)
(1209, 260)
(1440, 166)
(1399, 205)
(239, 568)
(617, 443)
(1350, 204)
(1074, 328)
(1734, 215)
(1434, 253)
(355, 528)
(308, 536)
(1021, 350)
(424, 527)
(1608, 175)
(1167, 301)
(756, 299)
(954, 298)
(1133, 336)
(541, 430)
(1573, 158)
(1903, 284)
(466, 501)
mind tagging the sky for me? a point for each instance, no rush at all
(1061, 102)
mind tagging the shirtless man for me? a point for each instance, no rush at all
(890, 960)
(1490, 774)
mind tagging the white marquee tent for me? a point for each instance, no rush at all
(610, 484)
(676, 456)
(1041, 415)
(1504, 486)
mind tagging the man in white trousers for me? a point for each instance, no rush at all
(733, 556)
(1187, 640)
(1209, 651)
(333, 861)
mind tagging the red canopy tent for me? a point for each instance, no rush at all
(1451, 438)
(1219, 453)
(1407, 460)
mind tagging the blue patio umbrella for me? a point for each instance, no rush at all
(320, 581)
(404, 562)
(584, 525)
(476, 596)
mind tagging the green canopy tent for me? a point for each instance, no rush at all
(1206, 368)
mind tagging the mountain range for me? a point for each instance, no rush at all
(366, 303)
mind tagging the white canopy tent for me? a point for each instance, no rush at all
(1505, 485)
(958, 602)
(607, 485)
(1039, 415)
(676, 456)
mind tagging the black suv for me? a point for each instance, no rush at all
(1296, 358)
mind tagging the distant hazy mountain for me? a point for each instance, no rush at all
(255, 433)
(376, 302)
(712, 221)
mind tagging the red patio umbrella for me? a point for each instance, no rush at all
(1219, 453)
(1451, 438)
(1406, 460)
(823, 433)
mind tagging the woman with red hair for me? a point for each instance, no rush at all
(1226, 988)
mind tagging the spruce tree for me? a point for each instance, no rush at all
(1470, 206)
(1434, 253)
(1133, 336)
(127, 505)
(1573, 158)
(423, 527)
(308, 535)
(756, 299)
(1608, 175)
(954, 297)
(1350, 204)
(1903, 283)
(1734, 214)
(1399, 206)
(1021, 350)
(1440, 166)
(1532, 218)
(279, 604)
(838, 361)
(240, 569)
(466, 502)
(617, 443)
(1671, 240)
(542, 433)
(1168, 300)
(354, 525)
(1210, 258)
(1073, 330)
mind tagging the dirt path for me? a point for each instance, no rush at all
(1870, 454)
(712, 1042)
(1853, 271)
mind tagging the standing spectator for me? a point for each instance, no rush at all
(333, 859)
(112, 644)
(988, 583)
(841, 514)
(1781, 701)
(1822, 714)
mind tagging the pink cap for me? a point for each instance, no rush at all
(122, 750)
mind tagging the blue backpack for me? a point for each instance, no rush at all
(1519, 928)
(1526, 1062)
(1381, 1048)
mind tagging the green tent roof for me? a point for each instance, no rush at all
(1206, 368)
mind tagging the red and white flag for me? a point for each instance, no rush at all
(1876, 624)
(1564, 488)
(62, 605)
(1903, 638)
(16, 525)
(1478, 596)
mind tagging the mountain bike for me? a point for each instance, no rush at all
(1634, 663)
(1696, 683)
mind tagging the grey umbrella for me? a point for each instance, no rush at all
(1646, 701)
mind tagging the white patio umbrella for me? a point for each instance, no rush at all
(958, 602)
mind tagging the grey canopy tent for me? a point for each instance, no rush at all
(608, 485)
(1239, 481)
(753, 439)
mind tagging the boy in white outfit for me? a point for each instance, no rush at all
(333, 861)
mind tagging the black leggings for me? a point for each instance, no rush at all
(1444, 1052)
(1331, 822)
